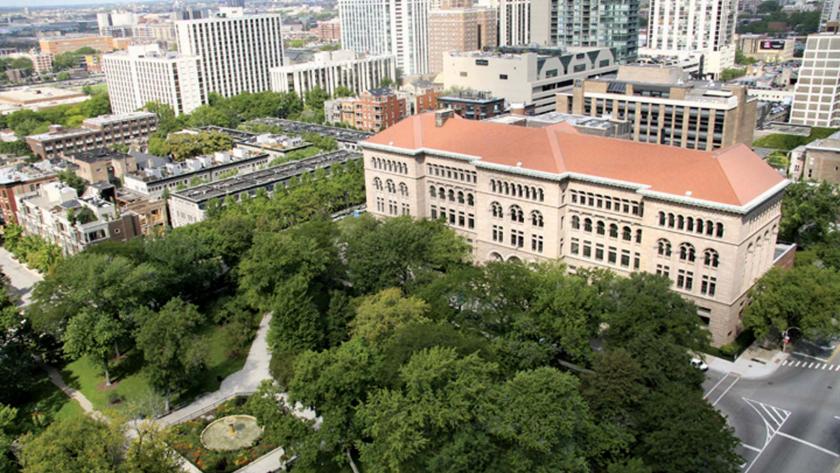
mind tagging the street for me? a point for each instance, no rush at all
(20, 277)
(788, 422)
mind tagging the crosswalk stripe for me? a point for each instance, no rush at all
(823, 366)
(837, 368)
(811, 365)
(798, 363)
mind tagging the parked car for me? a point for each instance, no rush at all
(698, 363)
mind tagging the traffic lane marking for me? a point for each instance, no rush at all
(734, 381)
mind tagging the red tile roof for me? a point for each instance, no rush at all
(733, 176)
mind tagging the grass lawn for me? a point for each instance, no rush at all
(788, 142)
(48, 404)
(131, 385)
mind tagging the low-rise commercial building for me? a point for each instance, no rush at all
(767, 49)
(817, 161)
(329, 70)
(706, 220)
(58, 215)
(473, 105)
(665, 106)
(188, 206)
(66, 44)
(347, 139)
(328, 31)
(17, 180)
(373, 110)
(100, 164)
(529, 76)
(95, 133)
(37, 98)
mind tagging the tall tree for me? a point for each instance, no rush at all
(149, 452)
(95, 334)
(73, 445)
(170, 347)
(379, 315)
(809, 212)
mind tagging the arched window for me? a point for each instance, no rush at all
(432, 192)
(575, 222)
(710, 227)
(389, 184)
(662, 218)
(496, 209)
(403, 189)
(689, 224)
(671, 220)
(540, 195)
(492, 185)
(587, 224)
(639, 235)
(687, 252)
(663, 247)
(613, 230)
(377, 183)
(460, 197)
(470, 200)
(699, 225)
(626, 234)
(536, 218)
(680, 222)
(519, 190)
(527, 192)
(719, 230)
(600, 228)
(711, 258)
(507, 189)
(516, 214)
(451, 195)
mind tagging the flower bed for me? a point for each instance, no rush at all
(188, 441)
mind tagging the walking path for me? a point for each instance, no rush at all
(246, 380)
(74, 394)
(753, 363)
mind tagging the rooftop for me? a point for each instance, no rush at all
(339, 134)
(118, 118)
(25, 95)
(733, 179)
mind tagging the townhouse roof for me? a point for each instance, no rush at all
(731, 179)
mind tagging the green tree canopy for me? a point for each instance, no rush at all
(73, 445)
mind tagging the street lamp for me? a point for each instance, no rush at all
(786, 337)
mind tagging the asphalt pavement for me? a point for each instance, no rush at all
(787, 421)
(21, 278)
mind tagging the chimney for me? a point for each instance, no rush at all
(442, 115)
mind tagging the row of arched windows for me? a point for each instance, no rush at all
(390, 165)
(601, 228)
(606, 202)
(517, 190)
(711, 257)
(516, 214)
(691, 224)
(452, 195)
(451, 173)
(390, 186)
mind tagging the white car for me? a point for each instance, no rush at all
(698, 363)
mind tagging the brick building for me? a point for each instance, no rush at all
(373, 110)
(95, 133)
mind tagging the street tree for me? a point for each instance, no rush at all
(170, 346)
(805, 297)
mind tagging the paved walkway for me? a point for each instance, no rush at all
(246, 380)
(21, 278)
(74, 394)
(753, 363)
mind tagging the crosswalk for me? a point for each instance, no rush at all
(810, 365)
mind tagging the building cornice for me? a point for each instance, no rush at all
(639, 188)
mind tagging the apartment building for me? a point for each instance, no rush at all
(328, 31)
(57, 214)
(189, 205)
(830, 16)
(329, 70)
(99, 132)
(17, 180)
(702, 25)
(66, 44)
(816, 99)
(817, 161)
(394, 27)
(665, 106)
(373, 110)
(534, 194)
(466, 28)
(612, 24)
(529, 76)
(420, 96)
(237, 51)
(145, 73)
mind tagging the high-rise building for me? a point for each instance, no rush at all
(705, 220)
(830, 17)
(235, 3)
(237, 51)
(332, 69)
(396, 27)
(606, 23)
(461, 28)
(815, 97)
(700, 25)
(145, 74)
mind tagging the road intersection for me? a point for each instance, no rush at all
(787, 421)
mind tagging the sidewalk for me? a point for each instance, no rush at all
(754, 363)
(74, 394)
